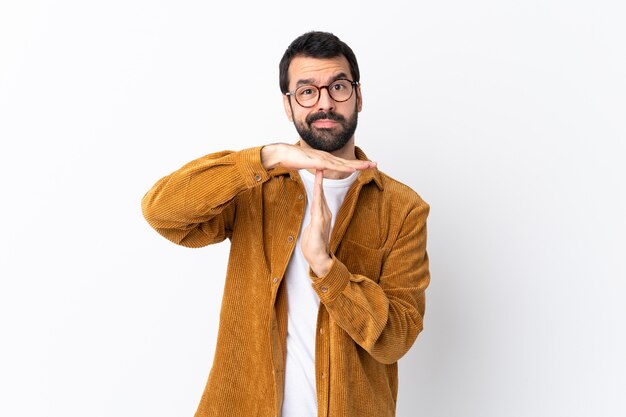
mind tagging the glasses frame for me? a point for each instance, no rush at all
(319, 90)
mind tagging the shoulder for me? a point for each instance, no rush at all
(401, 194)
(392, 191)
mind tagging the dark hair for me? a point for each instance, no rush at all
(316, 45)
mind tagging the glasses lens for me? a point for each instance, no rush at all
(340, 90)
(307, 95)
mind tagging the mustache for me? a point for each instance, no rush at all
(324, 115)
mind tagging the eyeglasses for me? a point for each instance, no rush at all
(309, 95)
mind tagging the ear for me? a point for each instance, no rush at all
(287, 106)
(359, 98)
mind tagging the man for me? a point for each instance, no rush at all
(328, 265)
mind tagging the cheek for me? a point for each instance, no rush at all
(299, 116)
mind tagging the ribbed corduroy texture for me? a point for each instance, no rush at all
(372, 300)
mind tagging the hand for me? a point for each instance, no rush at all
(297, 157)
(316, 235)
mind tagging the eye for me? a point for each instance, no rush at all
(307, 91)
(339, 86)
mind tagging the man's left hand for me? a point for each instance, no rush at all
(316, 236)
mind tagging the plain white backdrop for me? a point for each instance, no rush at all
(507, 117)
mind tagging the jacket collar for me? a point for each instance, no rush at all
(364, 177)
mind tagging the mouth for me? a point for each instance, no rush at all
(324, 123)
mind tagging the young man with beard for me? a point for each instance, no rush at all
(328, 265)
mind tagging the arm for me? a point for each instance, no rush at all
(195, 205)
(384, 318)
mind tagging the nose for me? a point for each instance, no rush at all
(325, 102)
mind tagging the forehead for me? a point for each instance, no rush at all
(319, 70)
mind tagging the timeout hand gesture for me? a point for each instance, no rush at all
(316, 235)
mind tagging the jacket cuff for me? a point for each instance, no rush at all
(248, 161)
(333, 283)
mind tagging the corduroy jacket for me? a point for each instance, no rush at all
(372, 300)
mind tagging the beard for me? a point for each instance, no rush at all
(327, 139)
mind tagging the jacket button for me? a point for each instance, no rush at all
(257, 177)
(275, 280)
(300, 197)
(324, 289)
(289, 238)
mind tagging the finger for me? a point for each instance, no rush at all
(318, 195)
(324, 204)
(324, 161)
(337, 163)
(317, 159)
(360, 165)
(324, 215)
(319, 187)
(328, 216)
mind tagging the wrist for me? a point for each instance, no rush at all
(269, 155)
(322, 267)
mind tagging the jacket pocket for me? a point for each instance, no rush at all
(360, 259)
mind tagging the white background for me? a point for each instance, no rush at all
(507, 117)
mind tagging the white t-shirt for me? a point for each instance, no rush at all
(300, 399)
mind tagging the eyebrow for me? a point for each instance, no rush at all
(310, 81)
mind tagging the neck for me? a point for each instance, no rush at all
(347, 152)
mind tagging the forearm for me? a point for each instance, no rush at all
(384, 323)
(384, 315)
(193, 205)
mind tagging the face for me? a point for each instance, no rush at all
(329, 125)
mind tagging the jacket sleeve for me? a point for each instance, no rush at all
(384, 318)
(195, 205)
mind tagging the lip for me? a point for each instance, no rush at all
(322, 123)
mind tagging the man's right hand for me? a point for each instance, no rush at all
(297, 157)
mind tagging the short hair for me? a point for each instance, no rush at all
(316, 44)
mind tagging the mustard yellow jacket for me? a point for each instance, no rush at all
(371, 301)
